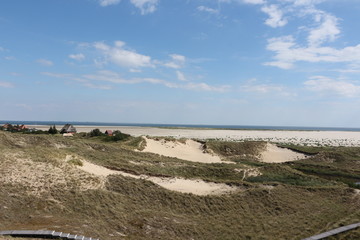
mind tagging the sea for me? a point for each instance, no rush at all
(161, 125)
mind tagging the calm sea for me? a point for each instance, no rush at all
(186, 126)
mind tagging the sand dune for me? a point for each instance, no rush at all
(193, 151)
(197, 187)
(274, 154)
(190, 150)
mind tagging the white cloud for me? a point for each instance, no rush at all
(180, 76)
(275, 16)
(207, 9)
(306, 2)
(262, 88)
(10, 58)
(254, 1)
(45, 62)
(172, 65)
(56, 75)
(205, 87)
(324, 29)
(288, 52)
(328, 86)
(177, 57)
(101, 87)
(6, 84)
(123, 57)
(16, 74)
(134, 70)
(146, 6)
(253, 86)
(327, 31)
(24, 106)
(177, 61)
(243, 1)
(115, 78)
(105, 3)
(77, 57)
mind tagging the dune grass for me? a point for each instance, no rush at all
(288, 201)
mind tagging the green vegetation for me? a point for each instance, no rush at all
(53, 130)
(339, 164)
(248, 151)
(76, 162)
(116, 135)
(287, 201)
(95, 133)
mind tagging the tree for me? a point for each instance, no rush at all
(95, 133)
(55, 130)
(52, 130)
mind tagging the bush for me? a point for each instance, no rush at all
(36, 132)
(96, 133)
(117, 136)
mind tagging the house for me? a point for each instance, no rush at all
(7, 126)
(68, 128)
(109, 132)
(14, 128)
(22, 127)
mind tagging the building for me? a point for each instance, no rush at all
(68, 128)
(22, 127)
(14, 128)
(109, 132)
(7, 126)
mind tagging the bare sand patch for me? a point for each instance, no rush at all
(197, 187)
(190, 150)
(275, 154)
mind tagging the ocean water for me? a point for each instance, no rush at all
(245, 127)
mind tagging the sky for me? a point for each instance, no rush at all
(223, 62)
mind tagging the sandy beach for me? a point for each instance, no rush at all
(313, 138)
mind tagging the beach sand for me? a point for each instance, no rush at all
(312, 138)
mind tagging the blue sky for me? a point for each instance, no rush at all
(237, 62)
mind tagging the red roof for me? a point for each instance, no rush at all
(109, 132)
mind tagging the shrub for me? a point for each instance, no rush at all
(117, 136)
(95, 133)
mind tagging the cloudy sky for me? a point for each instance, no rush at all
(240, 62)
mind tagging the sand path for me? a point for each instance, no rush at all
(197, 187)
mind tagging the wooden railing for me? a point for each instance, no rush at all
(333, 232)
(44, 234)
